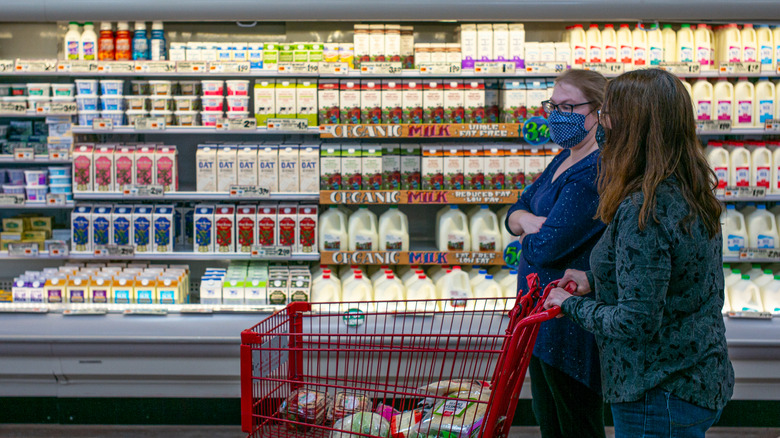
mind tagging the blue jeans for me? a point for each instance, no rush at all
(660, 414)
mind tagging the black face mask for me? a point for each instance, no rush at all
(601, 136)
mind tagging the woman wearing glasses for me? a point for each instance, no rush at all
(554, 220)
(657, 274)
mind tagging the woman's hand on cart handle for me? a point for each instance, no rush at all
(578, 279)
(556, 298)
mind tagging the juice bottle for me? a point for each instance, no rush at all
(106, 46)
(123, 49)
(140, 42)
(88, 47)
(157, 49)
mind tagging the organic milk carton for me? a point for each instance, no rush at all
(246, 220)
(268, 167)
(392, 101)
(351, 167)
(473, 167)
(101, 226)
(300, 286)
(328, 101)
(474, 100)
(164, 229)
(536, 92)
(453, 101)
(533, 164)
(411, 167)
(142, 228)
(514, 162)
(433, 101)
(289, 163)
(307, 229)
(265, 100)
(104, 168)
(124, 166)
(145, 165)
(309, 157)
(371, 165)
(204, 229)
(225, 228)
(81, 229)
(485, 42)
(227, 167)
(121, 225)
(349, 98)
(371, 101)
(167, 159)
(306, 101)
(407, 46)
(287, 223)
(494, 167)
(277, 290)
(83, 170)
(376, 42)
(267, 228)
(432, 167)
(492, 107)
(513, 107)
(286, 104)
(246, 157)
(391, 167)
(330, 167)
(271, 56)
(286, 53)
(453, 167)
(206, 175)
(362, 45)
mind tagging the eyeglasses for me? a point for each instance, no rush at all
(603, 115)
(549, 106)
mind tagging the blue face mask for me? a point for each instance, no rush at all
(567, 129)
(601, 136)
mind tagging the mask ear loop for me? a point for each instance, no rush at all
(598, 122)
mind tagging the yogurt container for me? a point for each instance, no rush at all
(112, 103)
(238, 103)
(40, 90)
(134, 115)
(186, 118)
(237, 114)
(86, 117)
(161, 103)
(139, 88)
(117, 116)
(63, 90)
(136, 103)
(36, 193)
(86, 103)
(187, 103)
(160, 88)
(15, 177)
(113, 87)
(212, 103)
(18, 89)
(35, 177)
(58, 180)
(213, 87)
(13, 190)
(59, 171)
(237, 88)
(209, 118)
(167, 114)
(190, 88)
(60, 188)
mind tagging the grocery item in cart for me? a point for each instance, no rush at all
(304, 407)
(455, 416)
(349, 403)
(363, 422)
(402, 424)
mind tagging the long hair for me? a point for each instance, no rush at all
(651, 137)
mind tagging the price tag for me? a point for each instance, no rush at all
(288, 125)
(6, 199)
(198, 308)
(772, 125)
(155, 66)
(116, 67)
(759, 253)
(57, 248)
(56, 155)
(145, 312)
(24, 154)
(145, 191)
(229, 67)
(6, 65)
(78, 66)
(13, 108)
(744, 192)
(735, 68)
(23, 249)
(298, 68)
(440, 68)
(535, 131)
(56, 198)
(62, 108)
(257, 251)
(750, 315)
(381, 68)
(85, 312)
(333, 68)
(37, 66)
(150, 124)
(192, 67)
(605, 68)
(279, 251)
(239, 191)
(681, 68)
(493, 68)
(248, 124)
(115, 251)
(714, 125)
(512, 254)
(103, 125)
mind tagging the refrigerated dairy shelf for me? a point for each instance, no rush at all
(4, 255)
(193, 197)
(191, 130)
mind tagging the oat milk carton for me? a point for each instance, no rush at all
(246, 156)
(474, 167)
(328, 101)
(351, 167)
(164, 229)
(227, 167)
(349, 97)
(225, 228)
(371, 167)
(453, 168)
(83, 169)
(268, 167)
(167, 163)
(104, 168)
(433, 101)
(246, 220)
(453, 101)
(391, 166)
(412, 101)
(307, 229)
(124, 166)
(432, 167)
(265, 100)
(206, 158)
(289, 165)
(309, 158)
(204, 229)
(371, 101)
(392, 101)
(411, 167)
(267, 227)
(330, 167)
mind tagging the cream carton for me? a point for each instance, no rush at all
(246, 220)
(268, 167)
(494, 167)
(204, 229)
(391, 166)
(225, 228)
(145, 165)
(164, 229)
(536, 92)
(533, 163)
(453, 101)
(411, 167)
(392, 101)
(124, 166)
(330, 167)
(287, 222)
(308, 178)
(286, 106)
(362, 45)
(121, 225)
(473, 167)
(81, 229)
(517, 44)
(267, 227)
(227, 167)
(468, 45)
(246, 156)
(101, 225)
(349, 97)
(371, 101)
(371, 167)
(167, 165)
(142, 228)
(453, 167)
(412, 101)
(207, 170)
(484, 42)
(83, 169)
(351, 167)
(513, 105)
(289, 165)
(104, 168)
(306, 100)
(492, 98)
(500, 42)
(265, 100)
(393, 43)
(433, 101)
(328, 101)
(376, 42)
(271, 56)
(514, 166)
(432, 167)
(307, 229)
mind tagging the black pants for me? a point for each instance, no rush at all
(564, 407)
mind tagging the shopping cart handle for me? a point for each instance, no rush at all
(540, 317)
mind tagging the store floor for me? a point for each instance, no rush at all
(100, 431)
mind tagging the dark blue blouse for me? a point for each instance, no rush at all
(564, 242)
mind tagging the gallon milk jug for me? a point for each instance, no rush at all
(655, 45)
(744, 102)
(703, 45)
(734, 276)
(724, 99)
(363, 234)
(745, 296)
(416, 275)
(506, 236)
(749, 45)
(325, 290)
(391, 289)
(485, 232)
(452, 233)
(639, 38)
(765, 98)
(761, 167)
(702, 99)
(626, 46)
(740, 167)
(380, 273)
(489, 288)
(350, 277)
(593, 36)
(688, 88)
(436, 272)
(726, 303)
(421, 289)
(439, 280)
(357, 290)
(393, 230)
(734, 231)
(670, 43)
(455, 290)
(509, 284)
(775, 183)
(762, 229)
(731, 48)
(770, 295)
(346, 270)
(776, 41)
(748, 209)
(579, 45)
(754, 272)
(764, 279)
(476, 279)
(719, 160)
(609, 41)
(333, 230)
(766, 48)
(685, 44)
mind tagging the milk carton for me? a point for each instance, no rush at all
(349, 97)
(371, 101)
(536, 93)
(393, 43)
(246, 157)
(412, 101)
(494, 167)
(474, 100)
(104, 168)
(287, 225)
(492, 107)
(300, 53)
(306, 101)
(268, 167)
(184, 225)
(101, 225)
(391, 167)
(309, 157)
(307, 229)
(501, 42)
(271, 56)
(83, 170)
(330, 167)
(81, 229)
(206, 174)
(166, 164)
(265, 100)
(286, 104)
(227, 167)
(484, 42)
(164, 229)
(468, 45)
(121, 225)
(351, 167)
(204, 229)
(124, 166)
(392, 101)
(362, 44)
(432, 167)
(453, 167)
(513, 105)
(473, 167)
(267, 227)
(433, 101)
(328, 101)
(142, 228)
(533, 164)
(376, 42)
(286, 53)
(246, 220)
(453, 101)
(145, 169)
(225, 228)
(411, 167)
(517, 44)
(255, 56)
(277, 290)
(514, 170)
(289, 164)
(371, 167)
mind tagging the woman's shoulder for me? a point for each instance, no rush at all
(669, 203)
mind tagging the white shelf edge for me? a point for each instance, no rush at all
(9, 159)
(37, 206)
(194, 197)
(767, 198)
(734, 259)
(191, 130)
(44, 255)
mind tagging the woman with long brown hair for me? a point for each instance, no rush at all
(657, 270)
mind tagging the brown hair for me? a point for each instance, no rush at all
(652, 137)
(591, 83)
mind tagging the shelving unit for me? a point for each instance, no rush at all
(173, 256)
(190, 130)
(193, 197)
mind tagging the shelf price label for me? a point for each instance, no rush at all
(333, 68)
(744, 192)
(750, 315)
(62, 108)
(6, 65)
(6, 199)
(493, 68)
(381, 68)
(113, 250)
(440, 68)
(239, 191)
(759, 253)
(605, 68)
(546, 67)
(713, 125)
(13, 108)
(77, 67)
(772, 125)
(288, 125)
(735, 68)
(23, 249)
(155, 67)
(93, 311)
(58, 155)
(150, 124)
(257, 251)
(145, 191)
(116, 67)
(229, 67)
(56, 198)
(140, 311)
(24, 154)
(298, 67)
(279, 251)
(681, 68)
(192, 67)
(36, 66)
(248, 124)
(102, 125)
(57, 248)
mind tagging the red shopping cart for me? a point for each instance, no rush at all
(415, 368)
